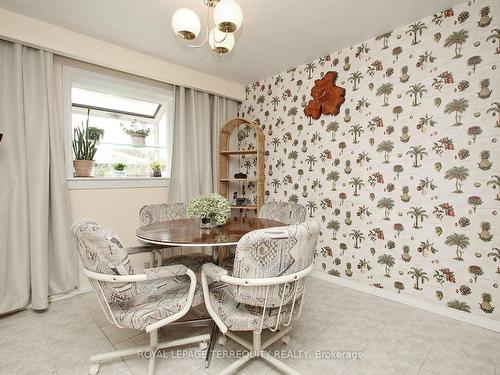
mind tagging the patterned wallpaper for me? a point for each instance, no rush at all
(406, 179)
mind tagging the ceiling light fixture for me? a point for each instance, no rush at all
(226, 18)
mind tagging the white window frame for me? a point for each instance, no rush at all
(77, 183)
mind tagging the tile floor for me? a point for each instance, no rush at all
(393, 338)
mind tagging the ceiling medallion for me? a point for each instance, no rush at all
(225, 16)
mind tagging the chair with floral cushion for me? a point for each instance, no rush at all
(284, 212)
(266, 289)
(155, 213)
(145, 301)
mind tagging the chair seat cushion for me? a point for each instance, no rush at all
(192, 261)
(155, 300)
(241, 317)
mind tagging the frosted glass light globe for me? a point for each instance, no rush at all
(186, 24)
(228, 16)
(223, 42)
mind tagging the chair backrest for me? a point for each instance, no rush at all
(267, 253)
(102, 252)
(285, 212)
(155, 213)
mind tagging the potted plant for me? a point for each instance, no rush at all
(119, 169)
(84, 148)
(137, 132)
(156, 169)
(212, 209)
(96, 133)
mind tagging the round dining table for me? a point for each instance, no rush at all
(187, 233)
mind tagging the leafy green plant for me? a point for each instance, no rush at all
(119, 166)
(213, 206)
(156, 167)
(95, 133)
(84, 146)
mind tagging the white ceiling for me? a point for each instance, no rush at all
(276, 34)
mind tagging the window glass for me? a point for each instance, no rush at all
(133, 135)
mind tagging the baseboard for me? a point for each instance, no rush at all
(486, 323)
(71, 294)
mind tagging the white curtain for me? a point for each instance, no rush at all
(198, 118)
(37, 258)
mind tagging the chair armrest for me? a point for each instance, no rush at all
(165, 271)
(213, 271)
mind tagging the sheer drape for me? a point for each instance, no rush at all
(197, 121)
(37, 258)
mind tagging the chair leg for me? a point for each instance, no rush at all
(153, 347)
(150, 349)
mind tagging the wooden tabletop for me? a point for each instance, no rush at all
(187, 232)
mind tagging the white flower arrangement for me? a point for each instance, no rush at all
(213, 206)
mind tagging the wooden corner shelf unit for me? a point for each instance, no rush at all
(225, 154)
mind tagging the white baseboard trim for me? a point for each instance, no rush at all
(482, 322)
(71, 294)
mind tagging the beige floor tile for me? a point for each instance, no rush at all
(443, 361)
(378, 362)
(395, 338)
(403, 343)
(116, 335)
(305, 362)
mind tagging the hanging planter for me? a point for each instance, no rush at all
(137, 132)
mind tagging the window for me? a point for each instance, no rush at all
(131, 121)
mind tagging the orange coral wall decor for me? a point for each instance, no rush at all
(327, 97)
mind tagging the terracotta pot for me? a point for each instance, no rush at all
(84, 168)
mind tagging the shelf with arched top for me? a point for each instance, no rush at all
(225, 154)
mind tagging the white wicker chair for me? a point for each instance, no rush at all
(165, 255)
(284, 212)
(266, 289)
(145, 301)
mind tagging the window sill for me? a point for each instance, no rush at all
(83, 183)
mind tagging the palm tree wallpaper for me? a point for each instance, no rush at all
(406, 179)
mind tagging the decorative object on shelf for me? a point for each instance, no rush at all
(119, 169)
(156, 169)
(241, 201)
(84, 149)
(224, 18)
(327, 97)
(240, 175)
(96, 133)
(212, 209)
(226, 155)
(137, 132)
(235, 198)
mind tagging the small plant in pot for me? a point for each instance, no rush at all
(84, 148)
(119, 169)
(212, 209)
(137, 132)
(156, 169)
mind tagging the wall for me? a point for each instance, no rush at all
(117, 209)
(16, 27)
(405, 180)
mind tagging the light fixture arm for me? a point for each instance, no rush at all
(210, 5)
